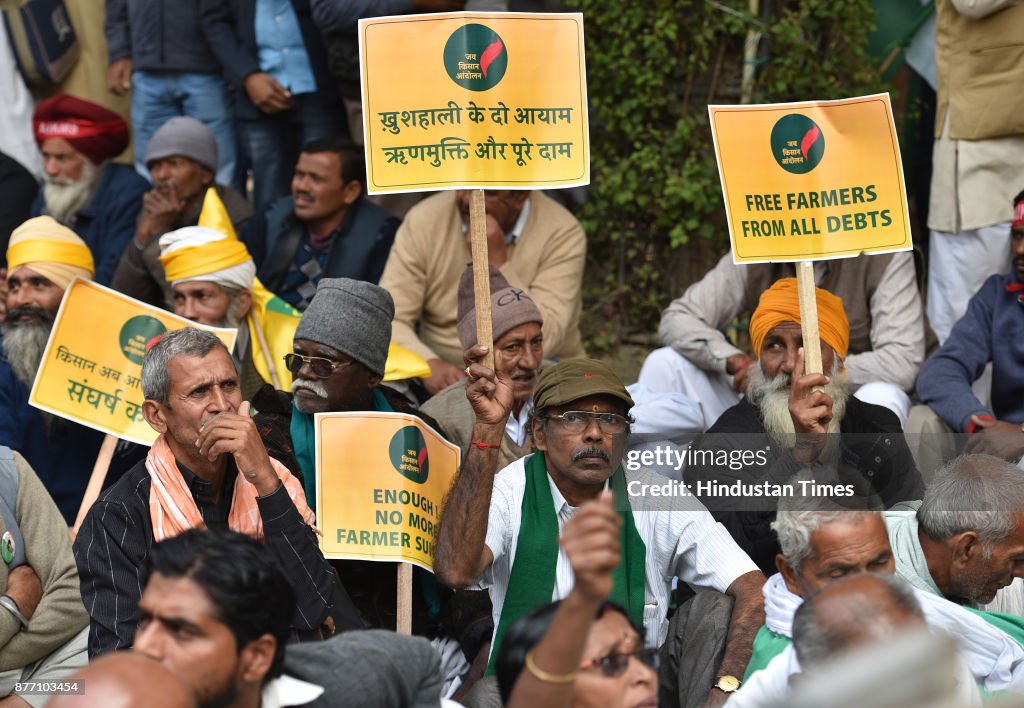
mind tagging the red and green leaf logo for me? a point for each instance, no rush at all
(408, 453)
(797, 143)
(475, 57)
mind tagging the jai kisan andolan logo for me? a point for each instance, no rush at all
(408, 452)
(797, 143)
(135, 335)
(475, 57)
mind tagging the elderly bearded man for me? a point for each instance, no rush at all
(43, 258)
(208, 467)
(823, 540)
(83, 190)
(500, 530)
(785, 425)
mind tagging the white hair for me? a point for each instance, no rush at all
(978, 493)
(799, 516)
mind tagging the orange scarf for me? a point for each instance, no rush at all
(173, 510)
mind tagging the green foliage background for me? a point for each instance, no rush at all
(654, 215)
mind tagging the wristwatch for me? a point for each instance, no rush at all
(728, 684)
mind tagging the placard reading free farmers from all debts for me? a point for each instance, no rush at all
(474, 100)
(813, 180)
(381, 481)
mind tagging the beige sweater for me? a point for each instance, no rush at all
(60, 614)
(430, 254)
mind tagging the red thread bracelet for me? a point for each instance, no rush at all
(485, 446)
(741, 367)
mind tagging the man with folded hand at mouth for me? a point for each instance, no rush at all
(207, 468)
(43, 258)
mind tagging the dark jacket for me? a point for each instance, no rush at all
(19, 188)
(873, 457)
(139, 272)
(992, 330)
(230, 29)
(158, 35)
(359, 248)
(107, 223)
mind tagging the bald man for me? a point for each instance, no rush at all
(126, 679)
(785, 425)
(42, 259)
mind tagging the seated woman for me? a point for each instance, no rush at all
(583, 650)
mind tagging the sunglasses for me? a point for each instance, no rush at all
(615, 664)
(321, 367)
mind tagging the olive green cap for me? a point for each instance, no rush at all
(578, 378)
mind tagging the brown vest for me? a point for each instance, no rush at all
(980, 67)
(853, 280)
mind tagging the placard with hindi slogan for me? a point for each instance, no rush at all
(812, 180)
(381, 480)
(474, 100)
(92, 365)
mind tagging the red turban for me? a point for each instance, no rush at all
(92, 130)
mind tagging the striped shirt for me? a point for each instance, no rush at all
(683, 541)
(112, 553)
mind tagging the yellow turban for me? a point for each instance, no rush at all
(200, 253)
(54, 251)
(780, 303)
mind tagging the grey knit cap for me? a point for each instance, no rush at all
(353, 317)
(185, 137)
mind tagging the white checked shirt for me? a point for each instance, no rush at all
(684, 542)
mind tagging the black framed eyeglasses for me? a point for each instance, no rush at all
(321, 367)
(578, 421)
(615, 664)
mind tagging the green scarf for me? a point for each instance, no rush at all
(532, 579)
(303, 434)
(767, 645)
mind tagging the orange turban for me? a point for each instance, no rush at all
(780, 303)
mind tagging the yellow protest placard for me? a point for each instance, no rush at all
(381, 480)
(474, 100)
(812, 180)
(91, 367)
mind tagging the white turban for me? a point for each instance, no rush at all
(201, 253)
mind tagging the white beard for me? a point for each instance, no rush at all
(64, 199)
(23, 347)
(771, 397)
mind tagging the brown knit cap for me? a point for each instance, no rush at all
(510, 307)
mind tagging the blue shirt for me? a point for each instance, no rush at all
(282, 53)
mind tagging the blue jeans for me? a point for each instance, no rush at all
(158, 97)
(273, 141)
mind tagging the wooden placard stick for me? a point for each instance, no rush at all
(809, 317)
(96, 479)
(403, 624)
(481, 273)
